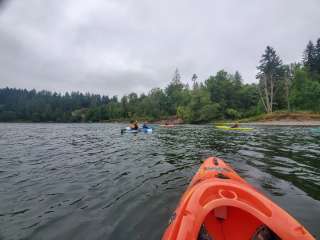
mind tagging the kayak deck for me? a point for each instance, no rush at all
(220, 205)
(230, 223)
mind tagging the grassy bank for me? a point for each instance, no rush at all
(283, 116)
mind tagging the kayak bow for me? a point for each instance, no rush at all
(220, 205)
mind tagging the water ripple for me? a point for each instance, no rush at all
(90, 182)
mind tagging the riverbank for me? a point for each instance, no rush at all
(284, 119)
(284, 123)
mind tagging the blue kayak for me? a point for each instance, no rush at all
(130, 130)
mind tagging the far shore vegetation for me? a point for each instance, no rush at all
(289, 88)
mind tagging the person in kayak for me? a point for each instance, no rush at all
(134, 125)
(145, 126)
(236, 125)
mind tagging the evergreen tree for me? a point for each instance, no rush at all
(175, 92)
(317, 57)
(309, 57)
(238, 78)
(194, 80)
(176, 77)
(269, 75)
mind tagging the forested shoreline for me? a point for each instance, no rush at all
(290, 87)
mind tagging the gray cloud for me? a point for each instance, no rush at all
(119, 46)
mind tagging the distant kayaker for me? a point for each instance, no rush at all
(131, 125)
(134, 125)
(145, 125)
(236, 125)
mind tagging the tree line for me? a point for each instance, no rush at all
(291, 87)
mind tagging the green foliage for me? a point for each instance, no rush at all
(209, 112)
(44, 106)
(185, 113)
(177, 94)
(232, 113)
(200, 108)
(311, 59)
(228, 91)
(317, 57)
(305, 93)
(204, 103)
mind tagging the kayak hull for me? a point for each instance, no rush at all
(129, 130)
(218, 204)
(234, 129)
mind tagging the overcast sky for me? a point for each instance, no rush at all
(115, 47)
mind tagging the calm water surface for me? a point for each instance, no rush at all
(87, 181)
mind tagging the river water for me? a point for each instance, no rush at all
(87, 181)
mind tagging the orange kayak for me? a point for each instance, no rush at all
(220, 205)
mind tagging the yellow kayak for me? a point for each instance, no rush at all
(234, 129)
